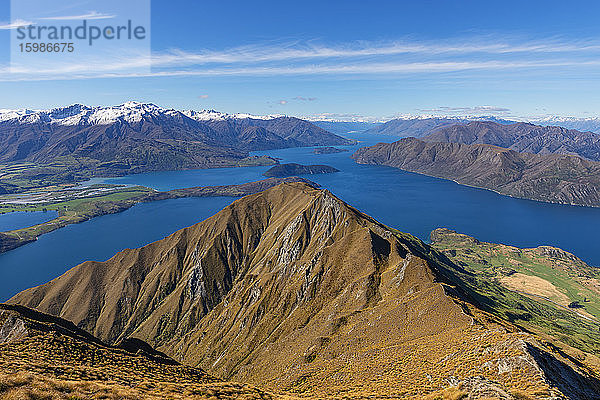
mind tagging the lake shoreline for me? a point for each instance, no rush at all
(10, 240)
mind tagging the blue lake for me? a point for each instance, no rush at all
(18, 220)
(409, 202)
(99, 239)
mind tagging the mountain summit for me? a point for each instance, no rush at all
(296, 291)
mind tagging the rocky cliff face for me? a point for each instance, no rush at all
(549, 177)
(295, 290)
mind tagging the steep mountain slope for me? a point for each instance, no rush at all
(416, 127)
(551, 178)
(522, 137)
(294, 289)
(44, 357)
(147, 137)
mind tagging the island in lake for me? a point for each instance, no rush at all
(328, 150)
(283, 170)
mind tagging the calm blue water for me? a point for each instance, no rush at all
(406, 201)
(167, 180)
(99, 239)
(18, 220)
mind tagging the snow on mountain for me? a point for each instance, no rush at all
(327, 117)
(493, 118)
(6, 115)
(212, 115)
(591, 124)
(205, 115)
(345, 118)
(131, 112)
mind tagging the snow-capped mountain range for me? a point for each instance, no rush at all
(132, 111)
(409, 117)
(591, 124)
(135, 137)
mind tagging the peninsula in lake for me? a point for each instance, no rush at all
(79, 205)
(554, 178)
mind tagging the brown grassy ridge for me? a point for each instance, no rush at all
(46, 358)
(296, 292)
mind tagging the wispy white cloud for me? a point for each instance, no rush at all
(15, 24)
(298, 51)
(82, 71)
(300, 98)
(89, 15)
(373, 59)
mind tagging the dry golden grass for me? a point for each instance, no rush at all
(451, 393)
(51, 366)
(534, 285)
(27, 386)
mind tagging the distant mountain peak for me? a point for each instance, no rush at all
(78, 114)
(212, 115)
(130, 111)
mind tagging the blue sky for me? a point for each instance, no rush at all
(343, 59)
